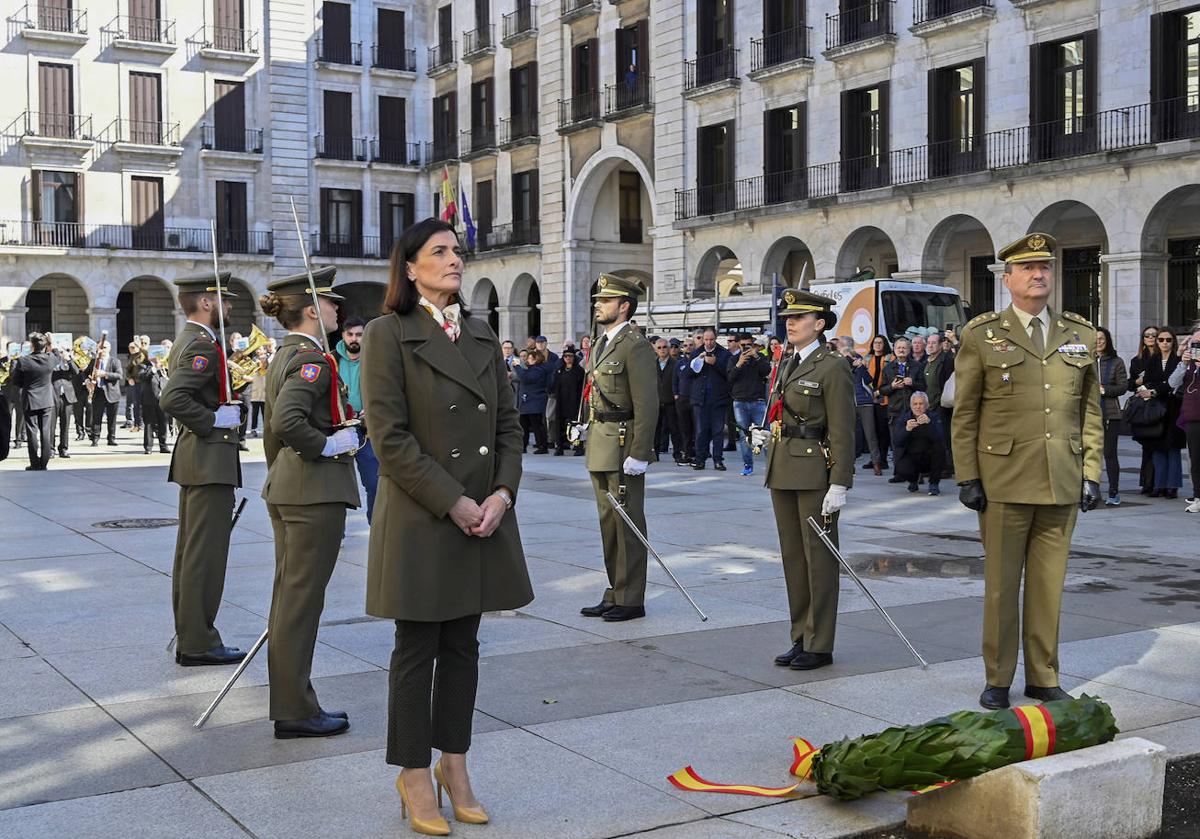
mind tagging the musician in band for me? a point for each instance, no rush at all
(152, 379)
(104, 375)
(310, 483)
(31, 375)
(66, 375)
(205, 465)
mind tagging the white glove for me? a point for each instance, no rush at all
(835, 499)
(759, 437)
(341, 441)
(228, 416)
(634, 467)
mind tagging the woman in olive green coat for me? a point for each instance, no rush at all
(444, 543)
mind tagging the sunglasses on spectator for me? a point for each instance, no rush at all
(1167, 340)
(1150, 335)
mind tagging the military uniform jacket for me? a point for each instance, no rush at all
(443, 423)
(627, 375)
(820, 392)
(1030, 428)
(203, 454)
(299, 419)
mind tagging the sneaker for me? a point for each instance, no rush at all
(747, 470)
(1113, 500)
(1194, 507)
(934, 489)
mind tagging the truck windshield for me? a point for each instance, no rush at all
(902, 309)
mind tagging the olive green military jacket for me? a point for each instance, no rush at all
(299, 419)
(1029, 428)
(627, 374)
(820, 392)
(203, 454)
(443, 422)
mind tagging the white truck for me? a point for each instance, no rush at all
(866, 308)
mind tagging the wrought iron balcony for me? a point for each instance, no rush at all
(925, 11)
(874, 19)
(520, 24)
(66, 234)
(147, 30)
(480, 140)
(522, 127)
(441, 151)
(776, 48)
(245, 141)
(629, 98)
(339, 52)
(394, 58)
(342, 148)
(573, 10)
(142, 133)
(711, 69)
(226, 39)
(578, 112)
(497, 236)
(441, 58)
(396, 152)
(348, 245)
(44, 17)
(479, 42)
(43, 124)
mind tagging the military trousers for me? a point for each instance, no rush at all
(201, 554)
(307, 541)
(1029, 540)
(809, 568)
(624, 554)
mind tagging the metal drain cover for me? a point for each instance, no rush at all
(136, 524)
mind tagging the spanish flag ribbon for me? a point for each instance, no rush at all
(689, 780)
(1039, 730)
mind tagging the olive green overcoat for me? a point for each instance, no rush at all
(442, 419)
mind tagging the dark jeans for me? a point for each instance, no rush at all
(154, 423)
(922, 458)
(102, 410)
(133, 403)
(710, 431)
(883, 433)
(537, 424)
(368, 470)
(1192, 430)
(1112, 464)
(428, 708)
(256, 411)
(687, 428)
(666, 435)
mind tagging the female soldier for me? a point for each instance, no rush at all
(310, 483)
(444, 548)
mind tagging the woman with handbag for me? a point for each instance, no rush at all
(444, 543)
(1166, 447)
(1137, 375)
(1113, 382)
(1186, 381)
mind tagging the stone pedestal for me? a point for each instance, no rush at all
(12, 324)
(1137, 297)
(102, 320)
(1113, 791)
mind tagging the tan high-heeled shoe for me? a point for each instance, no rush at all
(437, 826)
(466, 815)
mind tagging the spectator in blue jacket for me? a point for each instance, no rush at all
(533, 392)
(348, 352)
(864, 401)
(920, 444)
(681, 385)
(711, 399)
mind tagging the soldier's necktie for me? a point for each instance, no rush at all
(600, 346)
(1039, 338)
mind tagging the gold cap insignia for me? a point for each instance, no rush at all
(1036, 242)
(603, 282)
(789, 297)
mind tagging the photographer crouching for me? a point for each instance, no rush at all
(920, 444)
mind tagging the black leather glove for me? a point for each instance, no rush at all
(972, 497)
(1089, 499)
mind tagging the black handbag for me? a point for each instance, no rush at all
(1145, 417)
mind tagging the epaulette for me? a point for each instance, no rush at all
(984, 318)
(1078, 319)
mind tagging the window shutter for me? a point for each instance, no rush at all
(1091, 56)
(356, 216)
(643, 48)
(802, 158)
(35, 197)
(532, 89)
(594, 65)
(849, 124)
(453, 135)
(885, 121)
(979, 67)
(730, 152)
(934, 129)
(1036, 71)
(78, 198)
(325, 231)
(222, 211)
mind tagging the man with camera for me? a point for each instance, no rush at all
(710, 400)
(747, 373)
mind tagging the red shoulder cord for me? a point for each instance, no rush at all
(776, 410)
(337, 410)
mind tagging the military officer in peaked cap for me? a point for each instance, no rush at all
(1027, 438)
(310, 483)
(205, 465)
(621, 396)
(810, 468)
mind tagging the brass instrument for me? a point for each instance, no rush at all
(5, 371)
(93, 378)
(83, 351)
(243, 364)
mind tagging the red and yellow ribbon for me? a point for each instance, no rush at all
(689, 780)
(1039, 730)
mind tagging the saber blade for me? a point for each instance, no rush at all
(208, 712)
(641, 538)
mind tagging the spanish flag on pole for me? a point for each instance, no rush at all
(449, 205)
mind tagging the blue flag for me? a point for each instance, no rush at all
(466, 215)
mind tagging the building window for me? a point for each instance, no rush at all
(865, 126)
(232, 224)
(523, 101)
(229, 25)
(341, 222)
(983, 285)
(715, 168)
(56, 92)
(229, 116)
(335, 34)
(396, 210)
(445, 126)
(145, 109)
(525, 207)
(956, 119)
(1081, 282)
(630, 186)
(1183, 283)
(1064, 95)
(56, 197)
(483, 115)
(338, 141)
(1175, 74)
(784, 154)
(585, 80)
(392, 130)
(390, 50)
(40, 317)
(446, 32)
(147, 210)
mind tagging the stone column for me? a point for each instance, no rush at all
(1003, 298)
(12, 324)
(100, 320)
(1137, 296)
(514, 321)
(577, 262)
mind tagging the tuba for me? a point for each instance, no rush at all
(83, 350)
(243, 364)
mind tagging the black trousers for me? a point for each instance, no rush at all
(929, 459)
(666, 435)
(256, 411)
(154, 423)
(102, 409)
(18, 424)
(79, 409)
(687, 427)
(39, 433)
(432, 708)
(1192, 430)
(1112, 464)
(62, 417)
(5, 427)
(537, 424)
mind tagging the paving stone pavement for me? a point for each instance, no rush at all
(578, 722)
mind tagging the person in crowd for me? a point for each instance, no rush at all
(918, 350)
(543, 346)
(534, 378)
(747, 373)
(1147, 351)
(864, 403)
(166, 344)
(1114, 381)
(901, 378)
(710, 400)
(1166, 448)
(133, 388)
(939, 367)
(349, 360)
(5, 410)
(105, 368)
(152, 378)
(1186, 381)
(449, 548)
(258, 389)
(568, 392)
(18, 419)
(950, 337)
(509, 351)
(66, 374)
(666, 436)
(241, 394)
(877, 361)
(681, 386)
(32, 375)
(585, 350)
(920, 444)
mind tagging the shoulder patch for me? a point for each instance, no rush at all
(1078, 319)
(199, 363)
(310, 372)
(984, 318)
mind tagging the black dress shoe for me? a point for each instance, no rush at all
(95, 443)
(994, 698)
(787, 658)
(322, 725)
(147, 451)
(163, 450)
(1046, 694)
(242, 447)
(112, 442)
(698, 465)
(720, 466)
(598, 610)
(217, 655)
(895, 479)
(64, 454)
(811, 661)
(341, 715)
(625, 613)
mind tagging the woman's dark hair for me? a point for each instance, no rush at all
(1145, 352)
(1109, 350)
(287, 309)
(887, 345)
(1174, 339)
(830, 319)
(401, 296)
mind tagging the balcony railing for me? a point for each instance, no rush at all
(148, 30)
(519, 22)
(47, 18)
(396, 152)
(246, 141)
(508, 235)
(1107, 131)
(578, 110)
(479, 139)
(347, 245)
(479, 41)
(710, 69)
(575, 9)
(441, 151)
(66, 234)
(42, 124)
(871, 20)
(142, 132)
(777, 48)
(226, 39)
(339, 52)
(519, 127)
(394, 58)
(633, 95)
(342, 148)
(441, 56)
(927, 10)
